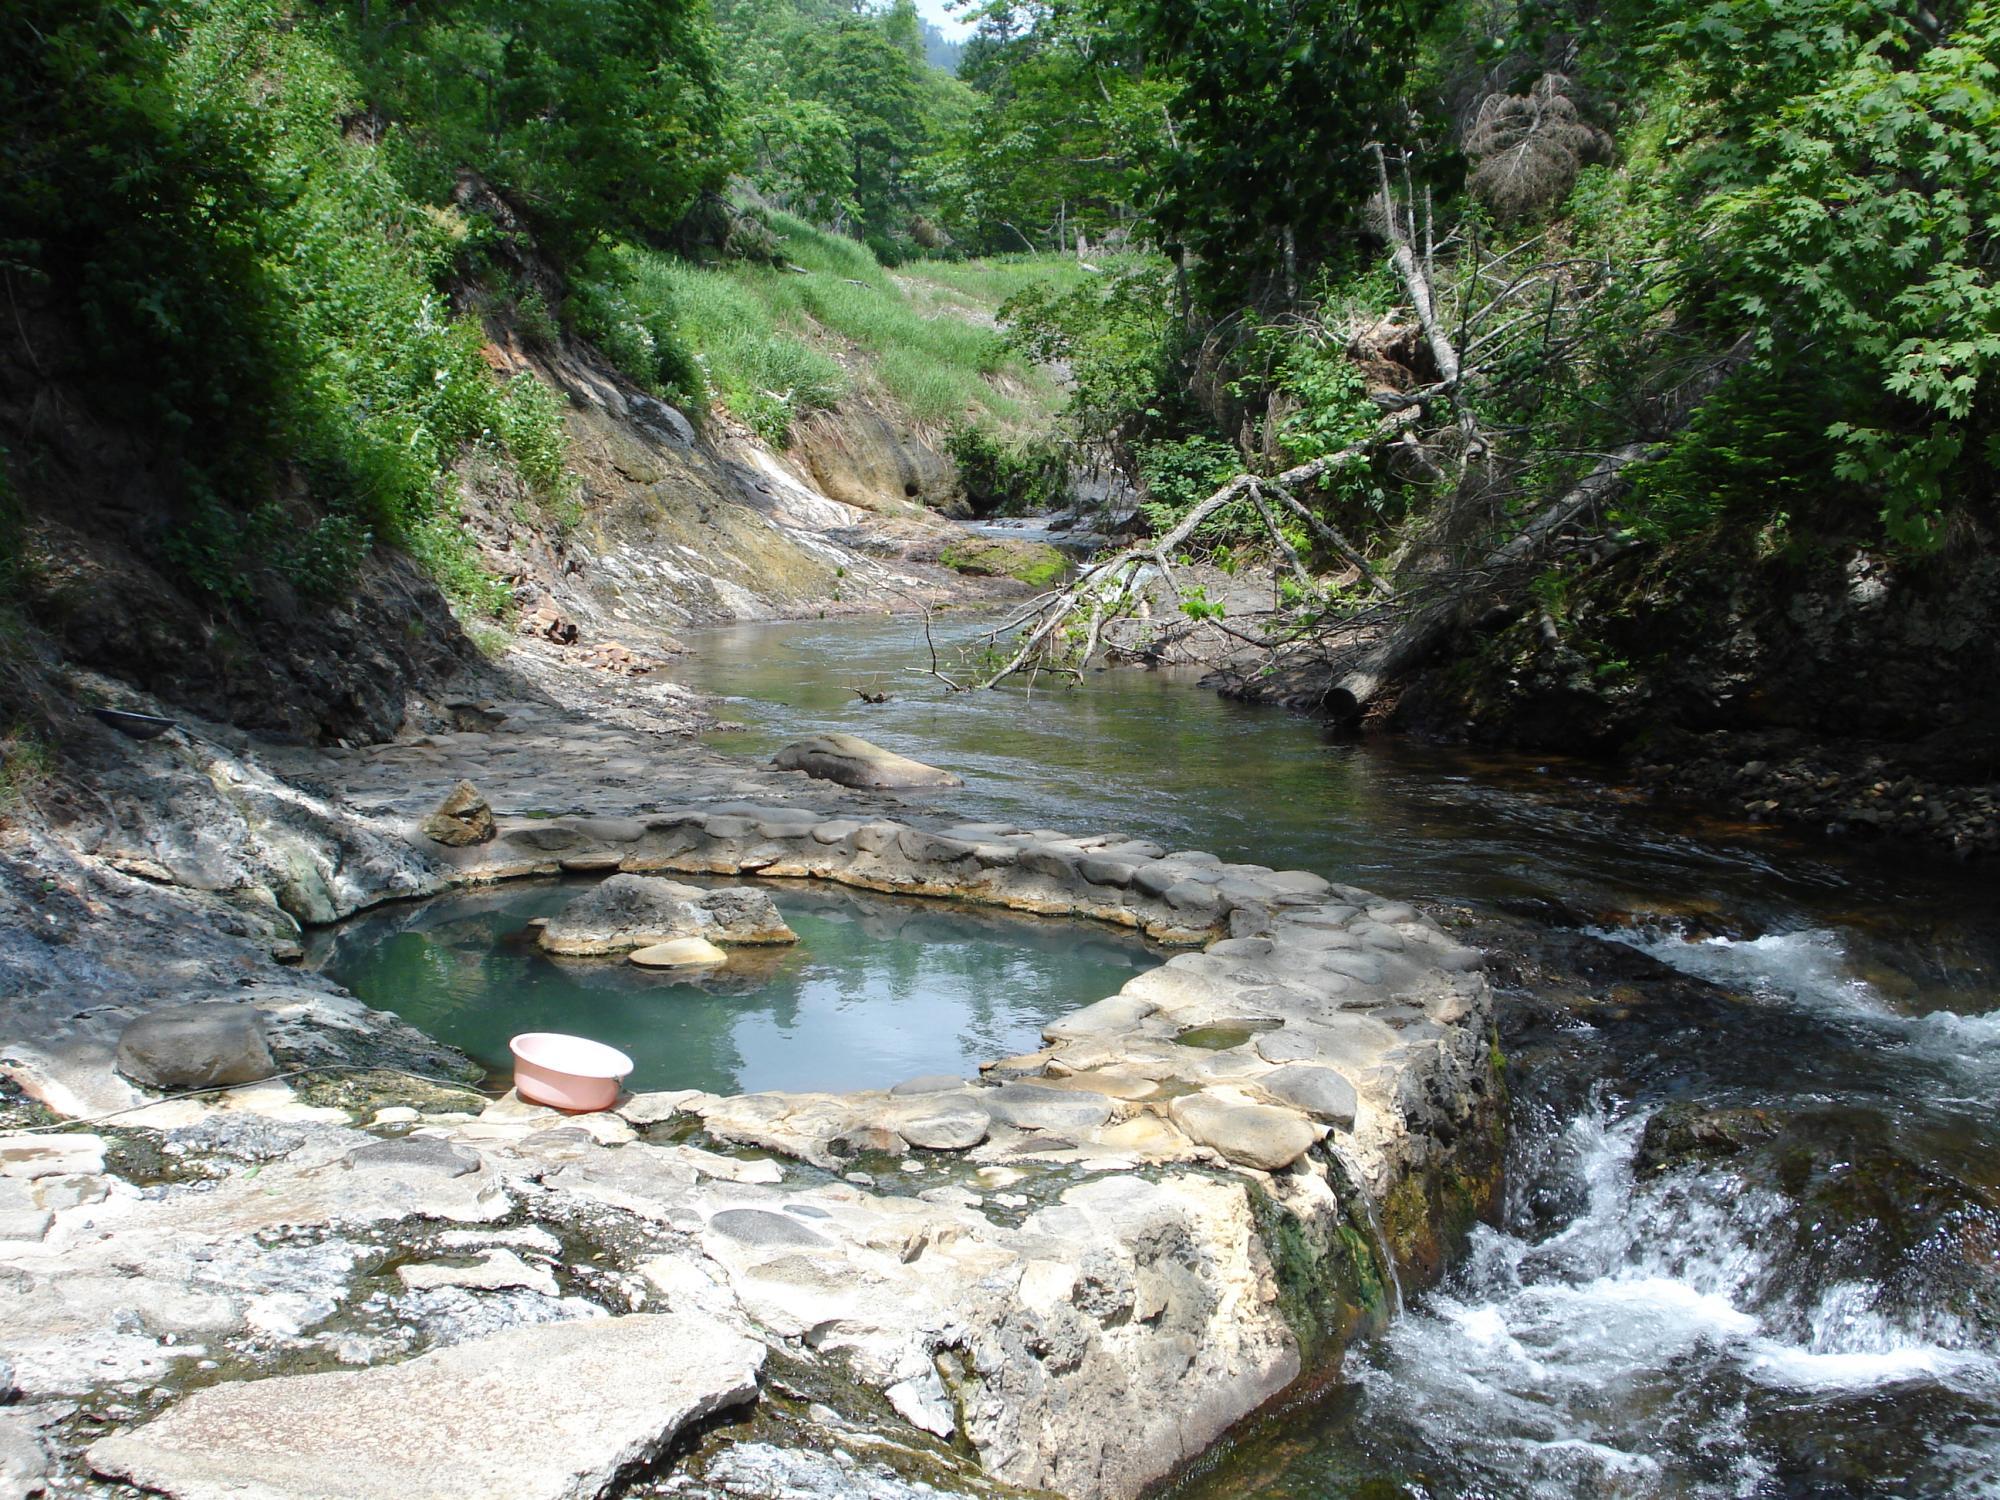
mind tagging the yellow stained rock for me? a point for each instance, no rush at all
(680, 953)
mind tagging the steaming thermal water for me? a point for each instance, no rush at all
(1817, 1316)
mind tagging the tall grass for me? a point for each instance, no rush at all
(773, 342)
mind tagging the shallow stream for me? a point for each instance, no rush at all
(1803, 1301)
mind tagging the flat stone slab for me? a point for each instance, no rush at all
(496, 1270)
(1028, 1106)
(50, 1155)
(929, 1083)
(553, 1412)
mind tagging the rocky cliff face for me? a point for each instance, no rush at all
(678, 528)
(1849, 691)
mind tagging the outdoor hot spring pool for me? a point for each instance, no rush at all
(876, 990)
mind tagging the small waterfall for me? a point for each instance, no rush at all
(1353, 1195)
(1646, 1347)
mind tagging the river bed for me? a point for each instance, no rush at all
(1810, 1307)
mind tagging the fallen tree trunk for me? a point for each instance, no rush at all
(1417, 634)
(1097, 588)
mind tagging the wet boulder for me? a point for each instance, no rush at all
(196, 1047)
(463, 818)
(1251, 1135)
(1689, 1130)
(849, 760)
(627, 912)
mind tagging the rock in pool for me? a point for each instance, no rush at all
(681, 953)
(625, 912)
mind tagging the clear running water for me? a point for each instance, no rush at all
(1814, 1311)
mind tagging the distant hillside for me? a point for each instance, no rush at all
(940, 51)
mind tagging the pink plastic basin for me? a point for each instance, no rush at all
(567, 1072)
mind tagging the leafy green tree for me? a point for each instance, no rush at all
(138, 211)
(1836, 187)
(595, 117)
(1057, 147)
(1265, 169)
(795, 149)
(874, 86)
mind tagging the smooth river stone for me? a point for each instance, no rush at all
(545, 1413)
(942, 1122)
(760, 1227)
(423, 1153)
(1320, 1092)
(1252, 1135)
(681, 953)
(1099, 870)
(849, 760)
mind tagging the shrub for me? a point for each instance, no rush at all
(1182, 473)
(1008, 478)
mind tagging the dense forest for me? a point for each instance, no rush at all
(1550, 283)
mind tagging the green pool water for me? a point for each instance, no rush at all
(876, 990)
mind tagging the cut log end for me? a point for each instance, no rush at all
(1342, 706)
(1348, 699)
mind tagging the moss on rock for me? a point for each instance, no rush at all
(1034, 563)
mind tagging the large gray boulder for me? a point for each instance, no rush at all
(555, 1412)
(852, 761)
(624, 912)
(196, 1047)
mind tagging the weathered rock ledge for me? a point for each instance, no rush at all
(1067, 1275)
